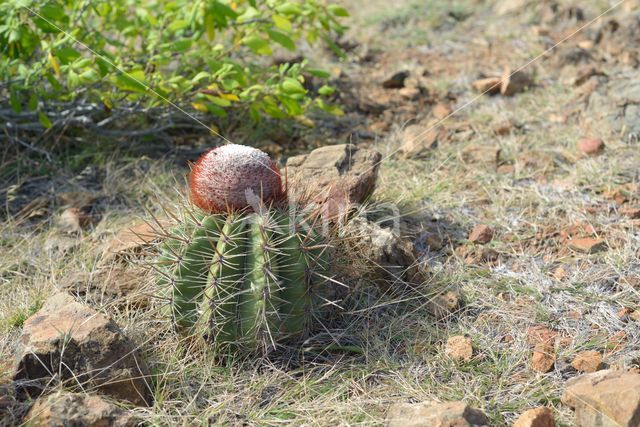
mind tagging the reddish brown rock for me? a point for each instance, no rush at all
(588, 361)
(130, 240)
(591, 146)
(481, 234)
(418, 140)
(588, 245)
(335, 176)
(631, 212)
(459, 348)
(604, 398)
(543, 358)
(444, 305)
(75, 409)
(487, 155)
(80, 346)
(490, 85)
(440, 111)
(537, 417)
(540, 334)
(432, 414)
(513, 82)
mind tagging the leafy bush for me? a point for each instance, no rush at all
(209, 54)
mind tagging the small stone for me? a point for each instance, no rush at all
(444, 305)
(588, 361)
(635, 316)
(560, 273)
(481, 234)
(396, 81)
(514, 82)
(489, 85)
(409, 93)
(604, 398)
(537, 417)
(132, 239)
(72, 220)
(433, 414)
(617, 195)
(588, 245)
(484, 154)
(75, 409)
(631, 212)
(440, 111)
(591, 146)
(623, 313)
(543, 358)
(459, 348)
(503, 127)
(418, 141)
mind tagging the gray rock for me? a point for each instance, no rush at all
(74, 409)
(71, 343)
(432, 414)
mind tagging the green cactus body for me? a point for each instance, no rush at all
(192, 271)
(246, 278)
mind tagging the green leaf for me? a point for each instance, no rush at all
(257, 45)
(44, 120)
(282, 22)
(177, 25)
(134, 81)
(289, 9)
(292, 86)
(282, 39)
(318, 73)
(52, 12)
(201, 75)
(33, 102)
(67, 54)
(182, 45)
(14, 101)
(338, 10)
(326, 90)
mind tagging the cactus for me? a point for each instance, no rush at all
(241, 270)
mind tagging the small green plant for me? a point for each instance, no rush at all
(241, 269)
(206, 55)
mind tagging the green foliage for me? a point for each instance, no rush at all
(209, 55)
(243, 280)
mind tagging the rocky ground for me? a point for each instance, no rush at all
(509, 295)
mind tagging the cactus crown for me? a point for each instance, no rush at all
(224, 177)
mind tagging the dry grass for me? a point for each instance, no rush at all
(385, 347)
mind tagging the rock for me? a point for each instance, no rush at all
(481, 234)
(503, 127)
(114, 285)
(506, 7)
(631, 212)
(635, 316)
(75, 409)
(591, 146)
(409, 93)
(338, 176)
(587, 245)
(585, 72)
(483, 154)
(72, 220)
(537, 417)
(489, 85)
(605, 398)
(79, 346)
(444, 305)
(130, 240)
(418, 140)
(543, 358)
(459, 348)
(431, 414)
(514, 82)
(396, 81)
(440, 111)
(390, 254)
(588, 361)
